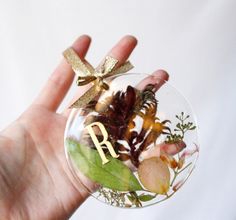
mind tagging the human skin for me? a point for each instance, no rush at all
(35, 180)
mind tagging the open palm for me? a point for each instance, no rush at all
(35, 180)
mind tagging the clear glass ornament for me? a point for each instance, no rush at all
(135, 144)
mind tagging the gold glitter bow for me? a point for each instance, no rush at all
(86, 74)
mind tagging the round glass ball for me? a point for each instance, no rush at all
(134, 144)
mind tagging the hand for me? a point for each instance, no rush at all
(35, 180)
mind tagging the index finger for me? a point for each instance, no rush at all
(60, 80)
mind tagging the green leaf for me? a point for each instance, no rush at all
(131, 199)
(146, 197)
(113, 175)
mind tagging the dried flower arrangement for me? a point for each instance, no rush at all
(144, 169)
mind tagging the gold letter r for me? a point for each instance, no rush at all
(104, 142)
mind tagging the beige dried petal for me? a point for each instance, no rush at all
(154, 174)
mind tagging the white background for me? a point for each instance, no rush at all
(195, 41)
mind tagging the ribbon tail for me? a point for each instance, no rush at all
(80, 68)
(109, 64)
(122, 69)
(88, 96)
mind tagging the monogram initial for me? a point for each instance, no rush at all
(105, 141)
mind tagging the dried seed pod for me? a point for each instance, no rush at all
(181, 162)
(154, 174)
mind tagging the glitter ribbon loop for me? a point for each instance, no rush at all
(87, 74)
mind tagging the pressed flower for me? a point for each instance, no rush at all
(154, 175)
